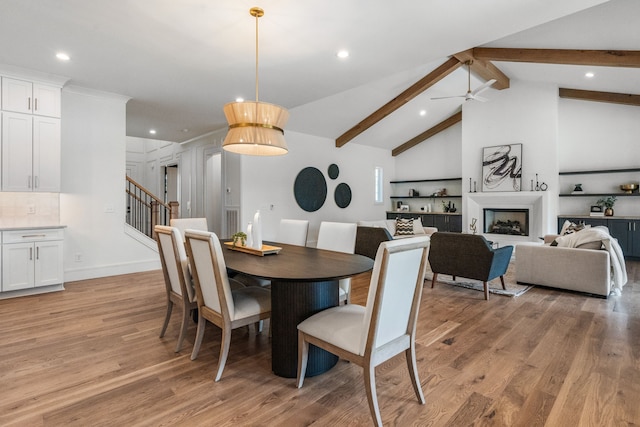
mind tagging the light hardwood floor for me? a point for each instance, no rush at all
(91, 356)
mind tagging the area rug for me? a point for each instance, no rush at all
(514, 289)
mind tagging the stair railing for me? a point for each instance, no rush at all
(145, 210)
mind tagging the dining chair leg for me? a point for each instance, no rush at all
(486, 290)
(303, 358)
(502, 281)
(199, 335)
(433, 280)
(166, 317)
(372, 396)
(224, 351)
(410, 354)
(183, 328)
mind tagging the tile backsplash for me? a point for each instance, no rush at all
(29, 209)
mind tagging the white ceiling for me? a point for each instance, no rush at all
(181, 61)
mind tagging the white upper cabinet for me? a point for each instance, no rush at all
(30, 153)
(23, 96)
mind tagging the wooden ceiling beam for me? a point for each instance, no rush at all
(604, 58)
(456, 118)
(484, 69)
(414, 90)
(590, 95)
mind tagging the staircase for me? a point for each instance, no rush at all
(145, 210)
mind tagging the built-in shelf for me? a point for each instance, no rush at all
(592, 172)
(601, 195)
(425, 180)
(426, 197)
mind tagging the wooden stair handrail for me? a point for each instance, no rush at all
(149, 193)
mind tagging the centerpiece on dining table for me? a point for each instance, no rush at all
(251, 241)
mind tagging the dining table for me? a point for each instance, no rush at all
(304, 281)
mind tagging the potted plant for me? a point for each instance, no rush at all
(607, 203)
(239, 239)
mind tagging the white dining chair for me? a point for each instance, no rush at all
(189, 223)
(177, 277)
(293, 232)
(384, 328)
(339, 237)
(217, 303)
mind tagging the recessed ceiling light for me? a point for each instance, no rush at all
(62, 56)
(239, 99)
(589, 75)
(185, 130)
(152, 131)
(342, 54)
(423, 112)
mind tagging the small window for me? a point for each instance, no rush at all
(378, 185)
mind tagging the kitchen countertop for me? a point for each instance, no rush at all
(33, 227)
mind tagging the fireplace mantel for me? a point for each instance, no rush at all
(537, 202)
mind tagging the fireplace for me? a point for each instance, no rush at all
(513, 222)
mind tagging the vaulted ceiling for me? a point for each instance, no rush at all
(181, 61)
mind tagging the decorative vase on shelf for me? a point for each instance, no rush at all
(608, 212)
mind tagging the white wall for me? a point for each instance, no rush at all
(92, 199)
(526, 113)
(269, 181)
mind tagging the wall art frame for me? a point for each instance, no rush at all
(502, 168)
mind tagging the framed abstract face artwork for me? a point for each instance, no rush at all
(502, 168)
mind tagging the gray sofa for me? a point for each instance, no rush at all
(575, 269)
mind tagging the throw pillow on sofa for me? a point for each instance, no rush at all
(404, 227)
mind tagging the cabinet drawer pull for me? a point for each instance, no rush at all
(30, 254)
(35, 104)
(29, 103)
(30, 236)
(37, 252)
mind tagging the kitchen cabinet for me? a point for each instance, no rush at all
(442, 221)
(30, 153)
(31, 258)
(592, 221)
(627, 231)
(27, 97)
(452, 223)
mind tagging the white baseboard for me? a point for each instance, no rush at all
(111, 270)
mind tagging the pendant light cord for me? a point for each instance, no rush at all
(257, 17)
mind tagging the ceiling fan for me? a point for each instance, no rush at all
(472, 95)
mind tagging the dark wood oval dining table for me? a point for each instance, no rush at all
(304, 281)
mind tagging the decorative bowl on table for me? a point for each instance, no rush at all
(629, 188)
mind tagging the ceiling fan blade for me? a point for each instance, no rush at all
(447, 97)
(479, 98)
(483, 87)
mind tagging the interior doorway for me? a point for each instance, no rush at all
(171, 183)
(213, 191)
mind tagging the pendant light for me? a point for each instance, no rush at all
(255, 128)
